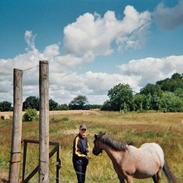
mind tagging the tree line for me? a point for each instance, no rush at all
(165, 95)
(32, 102)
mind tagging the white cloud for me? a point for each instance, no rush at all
(29, 62)
(30, 40)
(51, 51)
(100, 83)
(29, 59)
(88, 37)
(151, 70)
(169, 17)
(95, 34)
(92, 84)
(67, 84)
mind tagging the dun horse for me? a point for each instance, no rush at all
(130, 162)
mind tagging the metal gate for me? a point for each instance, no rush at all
(55, 149)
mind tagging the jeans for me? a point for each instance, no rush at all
(80, 165)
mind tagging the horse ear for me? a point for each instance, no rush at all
(95, 136)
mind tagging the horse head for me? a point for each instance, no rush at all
(97, 145)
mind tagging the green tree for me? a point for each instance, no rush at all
(5, 106)
(155, 102)
(177, 76)
(94, 106)
(151, 97)
(147, 102)
(152, 89)
(31, 102)
(106, 106)
(139, 102)
(153, 94)
(171, 84)
(121, 97)
(53, 105)
(179, 92)
(171, 103)
(63, 107)
(78, 102)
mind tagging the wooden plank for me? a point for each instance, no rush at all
(58, 166)
(44, 122)
(16, 127)
(37, 142)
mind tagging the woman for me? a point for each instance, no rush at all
(80, 152)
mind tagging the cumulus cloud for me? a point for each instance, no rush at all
(89, 36)
(95, 34)
(151, 69)
(29, 62)
(24, 61)
(65, 84)
(92, 84)
(51, 51)
(169, 17)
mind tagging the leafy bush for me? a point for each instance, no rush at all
(171, 103)
(30, 115)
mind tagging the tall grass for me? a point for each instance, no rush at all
(163, 128)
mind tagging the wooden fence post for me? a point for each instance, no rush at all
(24, 161)
(44, 122)
(16, 127)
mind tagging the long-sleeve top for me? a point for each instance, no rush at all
(80, 147)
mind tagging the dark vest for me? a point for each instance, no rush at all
(81, 144)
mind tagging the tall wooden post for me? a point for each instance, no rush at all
(16, 127)
(44, 122)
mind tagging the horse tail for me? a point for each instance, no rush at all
(170, 177)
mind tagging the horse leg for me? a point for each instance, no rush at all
(121, 179)
(129, 179)
(119, 174)
(159, 175)
(156, 178)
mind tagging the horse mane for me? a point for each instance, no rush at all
(118, 146)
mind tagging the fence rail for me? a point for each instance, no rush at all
(56, 149)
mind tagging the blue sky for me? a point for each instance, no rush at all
(45, 22)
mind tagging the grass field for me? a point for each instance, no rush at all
(163, 128)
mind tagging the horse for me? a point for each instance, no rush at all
(130, 162)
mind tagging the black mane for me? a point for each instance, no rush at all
(118, 146)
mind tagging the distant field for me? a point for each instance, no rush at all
(163, 128)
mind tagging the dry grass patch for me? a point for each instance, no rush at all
(164, 128)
